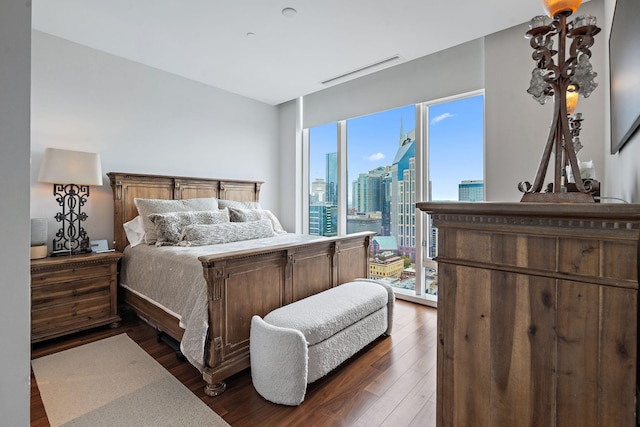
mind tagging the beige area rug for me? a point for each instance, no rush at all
(113, 382)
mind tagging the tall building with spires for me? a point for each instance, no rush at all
(402, 206)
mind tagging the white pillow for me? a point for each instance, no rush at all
(243, 215)
(134, 230)
(223, 203)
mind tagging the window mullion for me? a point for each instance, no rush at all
(305, 184)
(422, 176)
(342, 178)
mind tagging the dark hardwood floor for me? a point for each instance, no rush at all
(392, 382)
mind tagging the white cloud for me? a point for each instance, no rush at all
(441, 117)
(375, 157)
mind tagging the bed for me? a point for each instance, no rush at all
(235, 280)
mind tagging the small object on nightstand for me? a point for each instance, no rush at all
(99, 246)
(38, 238)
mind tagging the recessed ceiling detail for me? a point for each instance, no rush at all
(379, 65)
(289, 12)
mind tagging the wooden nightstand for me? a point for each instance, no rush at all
(73, 293)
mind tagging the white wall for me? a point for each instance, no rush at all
(290, 175)
(622, 178)
(15, 28)
(142, 120)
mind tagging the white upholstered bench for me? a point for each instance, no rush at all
(299, 343)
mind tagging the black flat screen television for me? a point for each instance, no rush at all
(624, 69)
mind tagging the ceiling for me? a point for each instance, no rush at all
(286, 57)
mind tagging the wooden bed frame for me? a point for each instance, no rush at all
(242, 283)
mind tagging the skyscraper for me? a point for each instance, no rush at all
(322, 219)
(471, 190)
(368, 190)
(318, 190)
(402, 206)
(331, 181)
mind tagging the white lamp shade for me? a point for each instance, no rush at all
(70, 167)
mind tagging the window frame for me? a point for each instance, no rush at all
(421, 229)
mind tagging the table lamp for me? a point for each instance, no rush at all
(71, 173)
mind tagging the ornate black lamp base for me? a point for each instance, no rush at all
(71, 238)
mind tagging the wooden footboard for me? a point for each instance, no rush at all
(254, 282)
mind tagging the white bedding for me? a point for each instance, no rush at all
(172, 278)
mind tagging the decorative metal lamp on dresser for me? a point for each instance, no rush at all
(73, 293)
(537, 313)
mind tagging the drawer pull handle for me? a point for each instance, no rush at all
(74, 292)
(74, 314)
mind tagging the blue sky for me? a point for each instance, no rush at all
(455, 136)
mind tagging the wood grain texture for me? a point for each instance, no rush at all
(617, 350)
(390, 383)
(560, 285)
(577, 331)
(541, 335)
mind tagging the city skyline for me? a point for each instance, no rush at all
(455, 128)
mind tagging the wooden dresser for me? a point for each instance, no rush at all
(537, 313)
(73, 293)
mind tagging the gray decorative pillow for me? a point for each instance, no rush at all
(147, 207)
(169, 225)
(222, 203)
(213, 234)
(244, 215)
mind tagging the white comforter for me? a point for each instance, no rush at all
(171, 277)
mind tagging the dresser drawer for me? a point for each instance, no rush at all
(69, 273)
(65, 292)
(74, 312)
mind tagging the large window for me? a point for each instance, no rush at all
(439, 143)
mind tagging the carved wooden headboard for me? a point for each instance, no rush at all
(128, 186)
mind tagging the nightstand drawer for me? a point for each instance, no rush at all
(60, 293)
(76, 312)
(69, 273)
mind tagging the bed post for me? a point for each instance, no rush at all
(119, 237)
(213, 349)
